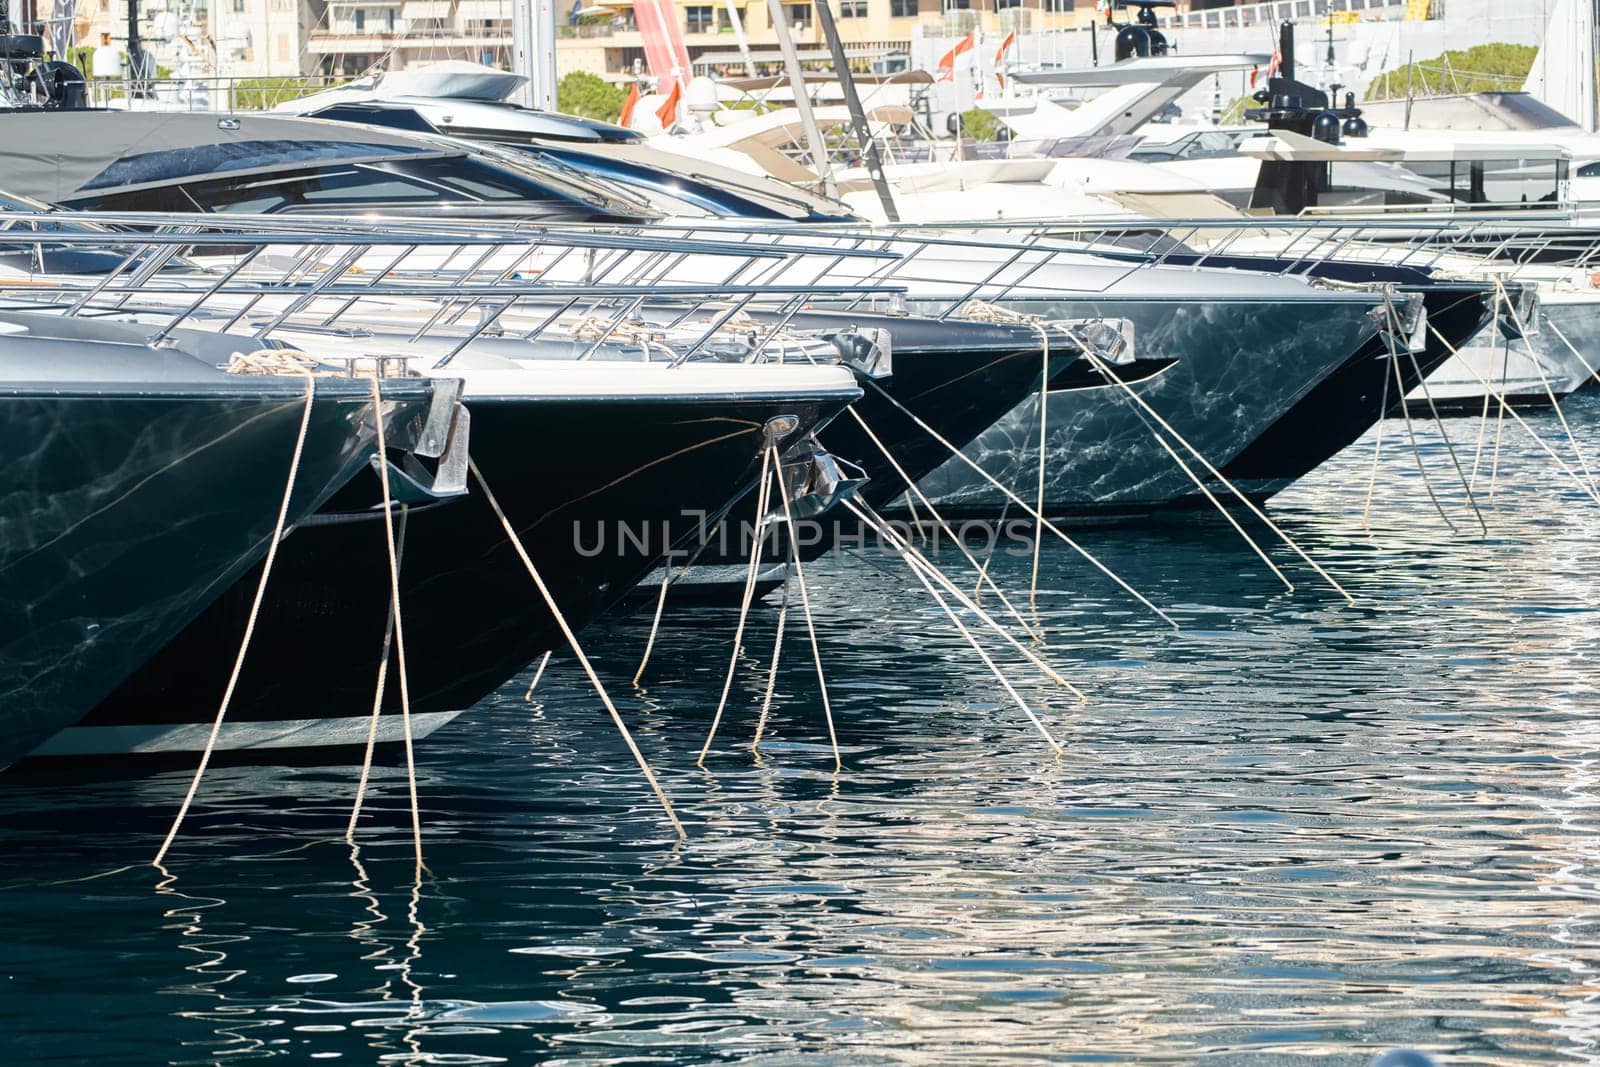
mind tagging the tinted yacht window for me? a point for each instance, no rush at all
(195, 160)
(437, 180)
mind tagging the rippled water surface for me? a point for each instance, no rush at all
(1297, 831)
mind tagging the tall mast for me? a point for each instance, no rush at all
(136, 81)
(533, 51)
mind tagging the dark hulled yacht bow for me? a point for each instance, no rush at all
(144, 482)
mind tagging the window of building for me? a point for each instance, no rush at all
(1001, 5)
(799, 14)
(905, 9)
(957, 5)
(852, 9)
(283, 47)
(361, 19)
(238, 7)
(700, 18)
(389, 17)
(1059, 6)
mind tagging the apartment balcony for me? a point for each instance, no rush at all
(323, 42)
(333, 43)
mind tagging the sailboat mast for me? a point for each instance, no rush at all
(1591, 73)
(533, 51)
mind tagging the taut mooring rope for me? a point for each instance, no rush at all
(1028, 508)
(757, 540)
(1249, 504)
(391, 548)
(918, 561)
(994, 668)
(577, 649)
(915, 490)
(250, 623)
(1507, 409)
(772, 671)
(811, 629)
(377, 700)
(538, 672)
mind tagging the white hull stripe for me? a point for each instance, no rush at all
(237, 736)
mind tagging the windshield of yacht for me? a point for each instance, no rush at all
(1501, 182)
(1203, 144)
(452, 182)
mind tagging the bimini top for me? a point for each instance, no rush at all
(54, 156)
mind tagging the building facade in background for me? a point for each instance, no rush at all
(290, 38)
(604, 38)
(222, 38)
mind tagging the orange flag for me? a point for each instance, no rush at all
(947, 65)
(668, 111)
(627, 105)
(1000, 58)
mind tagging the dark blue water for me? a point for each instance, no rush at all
(1297, 831)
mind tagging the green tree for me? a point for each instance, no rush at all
(1482, 68)
(979, 125)
(590, 96)
(264, 94)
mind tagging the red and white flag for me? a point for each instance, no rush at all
(1272, 68)
(947, 65)
(1000, 58)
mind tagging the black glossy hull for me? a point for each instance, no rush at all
(123, 513)
(1351, 400)
(958, 384)
(572, 475)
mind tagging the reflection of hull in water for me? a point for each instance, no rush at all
(1240, 364)
(598, 487)
(132, 504)
(1529, 373)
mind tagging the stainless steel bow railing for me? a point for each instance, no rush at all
(269, 277)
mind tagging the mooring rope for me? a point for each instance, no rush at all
(757, 541)
(772, 671)
(1199, 483)
(1250, 505)
(1037, 516)
(913, 555)
(250, 622)
(914, 489)
(1411, 430)
(983, 571)
(399, 629)
(1433, 410)
(1377, 453)
(1507, 409)
(965, 632)
(377, 700)
(1483, 424)
(805, 604)
(1538, 365)
(655, 623)
(538, 672)
(1550, 324)
(394, 545)
(667, 578)
(577, 649)
(983, 311)
(1500, 420)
